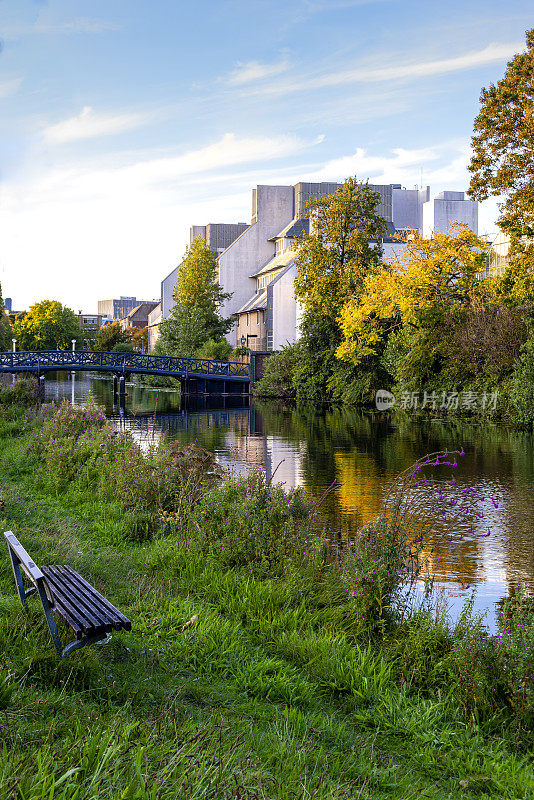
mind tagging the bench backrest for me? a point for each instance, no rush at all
(28, 565)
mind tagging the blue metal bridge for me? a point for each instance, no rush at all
(196, 375)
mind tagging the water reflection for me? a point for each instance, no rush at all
(361, 452)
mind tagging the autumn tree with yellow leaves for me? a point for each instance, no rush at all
(502, 165)
(427, 277)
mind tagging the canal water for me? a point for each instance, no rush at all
(362, 453)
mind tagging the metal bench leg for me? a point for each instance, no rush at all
(77, 643)
(50, 621)
(21, 591)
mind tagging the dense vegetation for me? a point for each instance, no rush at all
(427, 319)
(262, 663)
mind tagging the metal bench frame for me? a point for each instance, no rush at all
(20, 558)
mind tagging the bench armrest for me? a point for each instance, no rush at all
(28, 565)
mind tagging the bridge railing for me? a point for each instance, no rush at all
(120, 362)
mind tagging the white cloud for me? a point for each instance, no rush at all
(394, 71)
(78, 25)
(253, 71)
(101, 230)
(88, 125)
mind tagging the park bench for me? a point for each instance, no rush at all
(64, 592)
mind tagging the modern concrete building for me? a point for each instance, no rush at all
(258, 268)
(117, 309)
(446, 208)
(217, 235)
(138, 316)
(154, 321)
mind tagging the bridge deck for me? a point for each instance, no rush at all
(42, 361)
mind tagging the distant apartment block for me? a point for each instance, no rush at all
(119, 308)
(8, 304)
(138, 316)
(154, 321)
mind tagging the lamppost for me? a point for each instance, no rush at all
(14, 345)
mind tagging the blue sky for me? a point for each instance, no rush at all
(124, 122)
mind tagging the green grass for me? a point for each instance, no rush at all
(267, 695)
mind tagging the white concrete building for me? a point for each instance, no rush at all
(258, 268)
(446, 208)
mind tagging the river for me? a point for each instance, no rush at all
(361, 453)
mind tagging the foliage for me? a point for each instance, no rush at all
(48, 325)
(502, 163)
(218, 350)
(342, 248)
(195, 317)
(122, 347)
(522, 385)
(424, 279)
(110, 335)
(247, 522)
(139, 338)
(5, 326)
(277, 380)
(24, 392)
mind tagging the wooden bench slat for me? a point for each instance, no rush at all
(79, 599)
(125, 621)
(77, 585)
(63, 602)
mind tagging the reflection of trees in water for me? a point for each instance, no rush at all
(365, 451)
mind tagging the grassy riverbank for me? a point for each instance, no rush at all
(291, 681)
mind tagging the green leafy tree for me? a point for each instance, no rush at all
(110, 335)
(5, 326)
(503, 164)
(195, 317)
(342, 248)
(333, 261)
(48, 325)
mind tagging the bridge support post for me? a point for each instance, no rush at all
(115, 390)
(41, 388)
(122, 392)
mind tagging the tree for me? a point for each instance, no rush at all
(5, 326)
(342, 248)
(413, 291)
(503, 162)
(111, 334)
(195, 316)
(48, 325)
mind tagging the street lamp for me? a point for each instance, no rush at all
(14, 345)
(73, 345)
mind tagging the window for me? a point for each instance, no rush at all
(257, 317)
(269, 340)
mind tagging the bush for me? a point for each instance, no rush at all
(216, 349)
(277, 378)
(246, 522)
(24, 392)
(522, 386)
(122, 347)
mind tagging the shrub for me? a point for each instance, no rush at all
(122, 347)
(522, 385)
(246, 522)
(216, 349)
(277, 380)
(24, 392)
